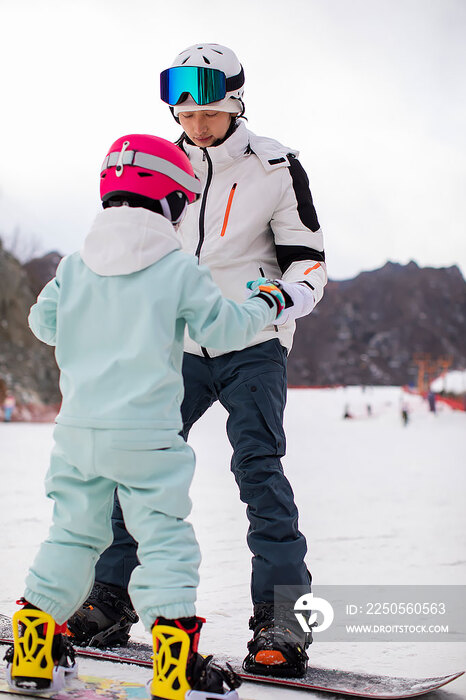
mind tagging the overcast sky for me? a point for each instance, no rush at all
(371, 92)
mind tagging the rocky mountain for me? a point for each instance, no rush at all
(27, 366)
(41, 270)
(366, 330)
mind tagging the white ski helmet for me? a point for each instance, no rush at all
(219, 83)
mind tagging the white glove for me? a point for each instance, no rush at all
(302, 297)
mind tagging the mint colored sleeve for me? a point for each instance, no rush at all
(43, 314)
(216, 322)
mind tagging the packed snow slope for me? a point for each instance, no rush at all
(380, 503)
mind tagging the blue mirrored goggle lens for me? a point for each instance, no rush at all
(205, 85)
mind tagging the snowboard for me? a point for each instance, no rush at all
(85, 688)
(329, 680)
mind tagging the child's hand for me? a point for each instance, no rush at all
(266, 289)
(299, 300)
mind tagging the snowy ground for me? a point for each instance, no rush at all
(380, 504)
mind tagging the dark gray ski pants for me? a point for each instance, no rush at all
(251, 385)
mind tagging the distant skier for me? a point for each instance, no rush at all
(117, 313)
(346, 412)
(405, 414)
(9, 405)
(404, 408)
(432, 401)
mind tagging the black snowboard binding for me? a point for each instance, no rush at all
(180, 671)
(278, 645)
(105, 619)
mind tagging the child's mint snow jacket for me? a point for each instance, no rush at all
(117, 312)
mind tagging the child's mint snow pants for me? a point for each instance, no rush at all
(153, 472)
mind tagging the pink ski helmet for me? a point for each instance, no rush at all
(147, 166)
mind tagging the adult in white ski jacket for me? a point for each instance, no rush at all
(255, 217)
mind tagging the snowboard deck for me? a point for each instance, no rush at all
(85, 688)
(329, 680)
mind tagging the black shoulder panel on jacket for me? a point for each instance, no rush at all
(306, 210)
(287, 254)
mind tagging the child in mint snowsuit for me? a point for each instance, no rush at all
(116, 313)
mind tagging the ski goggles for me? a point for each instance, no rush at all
(205, 85)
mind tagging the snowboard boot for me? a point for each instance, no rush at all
(41, 658)
(180, 671)
(278, 645)
(104, 619)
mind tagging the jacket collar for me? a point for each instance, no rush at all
(271, 153)
(232, 148)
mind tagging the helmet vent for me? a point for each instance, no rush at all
(186, 59)
(206, 60)
(145, 174)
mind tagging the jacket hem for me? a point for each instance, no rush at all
(284, 335)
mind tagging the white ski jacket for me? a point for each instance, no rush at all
(255, 218)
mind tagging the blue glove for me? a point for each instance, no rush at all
(267, 290)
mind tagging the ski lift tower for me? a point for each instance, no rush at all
(428, 369)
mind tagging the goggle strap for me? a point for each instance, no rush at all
(156, 164)
(235, 82)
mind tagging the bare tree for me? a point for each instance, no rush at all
(23, 246)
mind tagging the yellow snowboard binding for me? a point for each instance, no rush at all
(171, 651)
(39, 659)
(180, 672)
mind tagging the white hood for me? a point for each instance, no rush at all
(123, 240)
